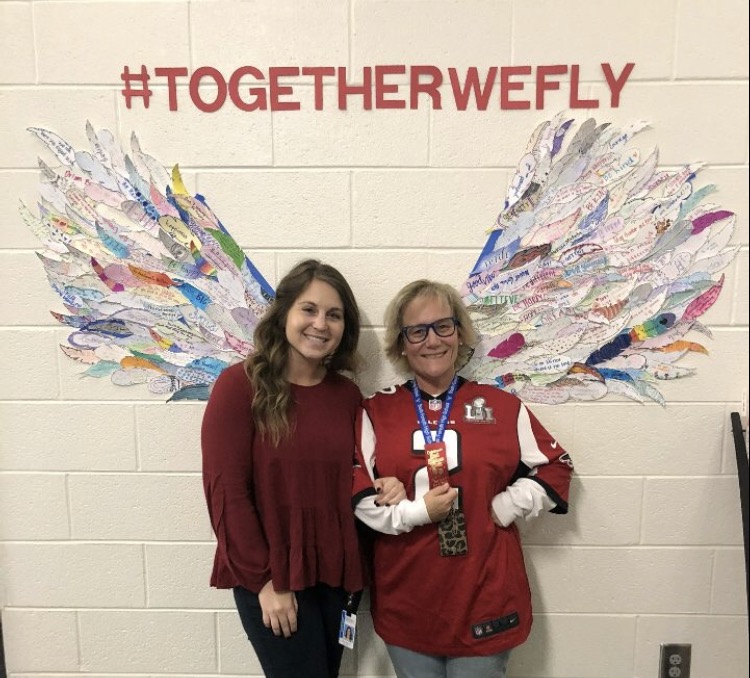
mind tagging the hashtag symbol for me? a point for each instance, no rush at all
(136, 86)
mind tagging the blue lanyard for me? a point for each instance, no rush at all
(443, 421)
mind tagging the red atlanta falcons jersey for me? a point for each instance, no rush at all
(505, 465)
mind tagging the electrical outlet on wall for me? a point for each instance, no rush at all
(674, 661)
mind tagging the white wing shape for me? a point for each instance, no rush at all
(596, 269)
(156, 288)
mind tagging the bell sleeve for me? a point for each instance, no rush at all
(242, 557)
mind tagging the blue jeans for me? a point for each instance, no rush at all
(313, 651)
(410, 664)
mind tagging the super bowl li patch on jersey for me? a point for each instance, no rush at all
(477, 412)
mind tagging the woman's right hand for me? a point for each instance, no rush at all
(279, 610)
(390, 491)
(439, 501)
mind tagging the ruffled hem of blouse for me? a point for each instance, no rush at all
(321, 549)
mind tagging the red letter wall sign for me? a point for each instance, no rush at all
(381, 87)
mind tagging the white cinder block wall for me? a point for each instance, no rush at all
(106, 547)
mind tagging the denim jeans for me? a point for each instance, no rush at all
(410, 664)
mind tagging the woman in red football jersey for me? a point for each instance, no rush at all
(450, 593)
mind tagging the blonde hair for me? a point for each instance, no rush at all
(394, 320)
(266, 366)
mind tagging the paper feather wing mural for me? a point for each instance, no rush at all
(156, 289)
(596, 269)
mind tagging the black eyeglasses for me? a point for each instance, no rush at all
(445, 327)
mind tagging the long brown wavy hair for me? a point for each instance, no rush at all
(266, 366)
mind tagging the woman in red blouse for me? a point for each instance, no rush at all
(278, 444)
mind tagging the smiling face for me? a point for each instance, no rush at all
(432, 360)
(314, 327)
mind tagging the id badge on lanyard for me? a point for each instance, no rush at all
(348, 625)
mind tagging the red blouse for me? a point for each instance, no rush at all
(282, 513)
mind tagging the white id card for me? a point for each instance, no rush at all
(348, 629)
